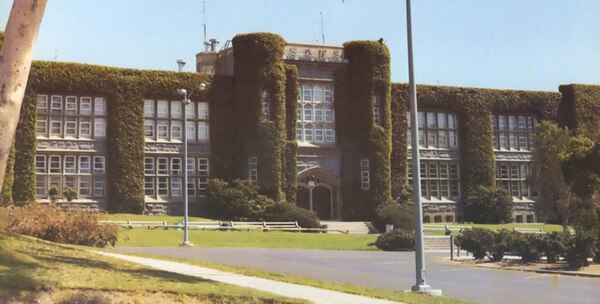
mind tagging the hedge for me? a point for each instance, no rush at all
(6, 195)
(125, 90)
(367, 75)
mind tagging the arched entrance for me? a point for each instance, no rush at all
(318, 191)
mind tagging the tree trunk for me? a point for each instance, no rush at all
(15, 63)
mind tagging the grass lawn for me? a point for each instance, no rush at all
(246, 239)
(34, 271)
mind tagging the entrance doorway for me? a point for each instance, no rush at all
(317, 191)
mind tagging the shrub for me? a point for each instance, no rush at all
(479, 241)
(528, 246)
(554, 245)
(504, 241)
(489, 205)
(238, 200)
(70, 194)
(53, 193)
(579, 248)
(399, 215)
(52, 224)
(287, 212)
(396, 240)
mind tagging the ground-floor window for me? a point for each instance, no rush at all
(514, 177)
(74, 171)
(164, 176)
(439, 179)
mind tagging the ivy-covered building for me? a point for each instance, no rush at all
(319, 125)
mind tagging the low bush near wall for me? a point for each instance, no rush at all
(52, 224)
(287, 212)
(238, 200)
(396, 240)
(479, 241)
(399, 215)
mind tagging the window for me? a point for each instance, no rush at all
(203, 130)
(148, 165)
(191, 168)
(315, 114)
(98, 187)
(176, 109)
(56, 104)
(203, 166)
(191, 186)
(176, 186)
(176, 130)
(191, 131)
(85, 127)
(163, 165)
(70, 127)
(376, 101)
(203, 110)
(70, 164)
(56, 127)
(55, 166)
(99, 127)
(71, 105)
(266, 106)
(190, 111)
(514, 177)
(202, 183)
(437, 130)
(513, 132)
(162, 130)
(176, 166)
(149, 186)
(40, 186)
(253, 175)
(84, 186)
(42, 103)
(149, 129)
(365, 182)
(252, 161)
(149, 108)
(162, 109)
(99, 165)
(99, 106)
(41, 127)
(163, 186)
(85, 106)
(84, 164)
(40, 164)
(439, 179)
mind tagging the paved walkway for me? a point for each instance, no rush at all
(313, 294)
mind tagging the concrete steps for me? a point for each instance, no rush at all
(350, 227)
(437, 242)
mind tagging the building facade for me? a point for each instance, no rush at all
(319, 125)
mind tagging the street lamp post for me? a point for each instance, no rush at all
(311, 186)
(185, 102)
(421, 283)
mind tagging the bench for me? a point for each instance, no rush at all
(137, 224)
(446, 228)
(283, 226)
(204, 225)
(529, 230)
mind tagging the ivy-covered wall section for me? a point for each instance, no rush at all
(579, 109)
(360, 136)
(474, 108)
(125, 91)
(290, 170)
(260, 94)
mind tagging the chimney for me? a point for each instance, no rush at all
(213, 45)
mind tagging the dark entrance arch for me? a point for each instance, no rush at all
(319, 188)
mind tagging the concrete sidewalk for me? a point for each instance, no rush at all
(313, 294)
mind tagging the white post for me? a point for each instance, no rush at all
(185, 102)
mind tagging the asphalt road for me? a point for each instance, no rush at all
(396, 271)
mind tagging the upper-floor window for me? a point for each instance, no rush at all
(266, 105)
(164, 120)
(436, 130)
(377, 104)
(71, 117)
(513, 132)
(315, 114)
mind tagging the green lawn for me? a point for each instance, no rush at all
(32, 270)
(255, 239)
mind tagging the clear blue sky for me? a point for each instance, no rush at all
(514, 44)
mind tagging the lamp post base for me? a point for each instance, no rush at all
(187, 244)
(427, 290)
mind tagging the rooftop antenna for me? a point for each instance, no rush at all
(322, 29)
(206, 44)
